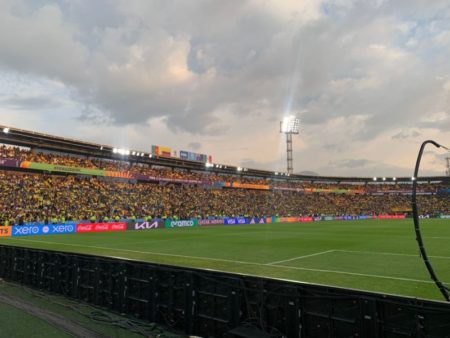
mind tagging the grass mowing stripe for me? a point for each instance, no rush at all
(234, 262)
(301, 257)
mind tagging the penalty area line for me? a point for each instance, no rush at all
(230, 261)
(300, 257)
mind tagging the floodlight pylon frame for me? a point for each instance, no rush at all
(289, 154)
(289, 145)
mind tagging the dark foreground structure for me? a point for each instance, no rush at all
(216, 304)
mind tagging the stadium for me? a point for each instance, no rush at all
(235, 169)
(216, 250)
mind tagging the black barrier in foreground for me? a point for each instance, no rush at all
(215, 304)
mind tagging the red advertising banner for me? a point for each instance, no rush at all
(390, 216)
(101, 227)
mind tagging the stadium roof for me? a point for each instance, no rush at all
(25, 138)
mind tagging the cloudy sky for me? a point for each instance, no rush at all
(369, 79)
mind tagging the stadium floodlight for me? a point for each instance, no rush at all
(101, 148)
(374, 178)
(133, 153)
(384, 178)
(289, 125)
(209, 165)
(413, 178)
(150, 156)
(114, 151)
(394, 178)
(6, 130)
(239, 169)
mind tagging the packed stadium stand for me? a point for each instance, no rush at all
(145, 188)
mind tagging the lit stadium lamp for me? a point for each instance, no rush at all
(413, 178)
(290, 125)
(150, 156)
(133, 153)
(239, 169)
(6, 130)
(115, 150)
(394, 178)
(374, 178)
(384, 178)
(101, 148)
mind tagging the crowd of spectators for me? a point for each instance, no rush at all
(26, 197)
(26, 154)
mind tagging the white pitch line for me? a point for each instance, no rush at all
(389, 253)
(233, 261)
(300, 257)
(357, 274)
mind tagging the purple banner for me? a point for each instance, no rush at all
(9, 162)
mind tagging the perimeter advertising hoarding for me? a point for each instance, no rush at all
(153, 224)
(245, 220)
(35, 230)
(5, 231)
(101, 227)
(181, 223)
(9, 162)
(220, 221)
(444, 216)
(305, 219)
(390, 216)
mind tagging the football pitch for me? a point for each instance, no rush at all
(373, 255)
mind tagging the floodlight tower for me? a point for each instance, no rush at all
(289, 125)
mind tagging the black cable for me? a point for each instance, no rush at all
(423, 252)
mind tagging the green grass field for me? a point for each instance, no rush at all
(374, 255)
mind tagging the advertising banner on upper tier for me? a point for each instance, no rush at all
(101, 227)
(181, 223)
(62, 168)
(187, 155)
(248, 186)
(150, 225)
(162, 151)
(5, 231)
(219, 221)
(9, 162)
(50, 229)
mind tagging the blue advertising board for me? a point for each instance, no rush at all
(36, 230)
(244, 220)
